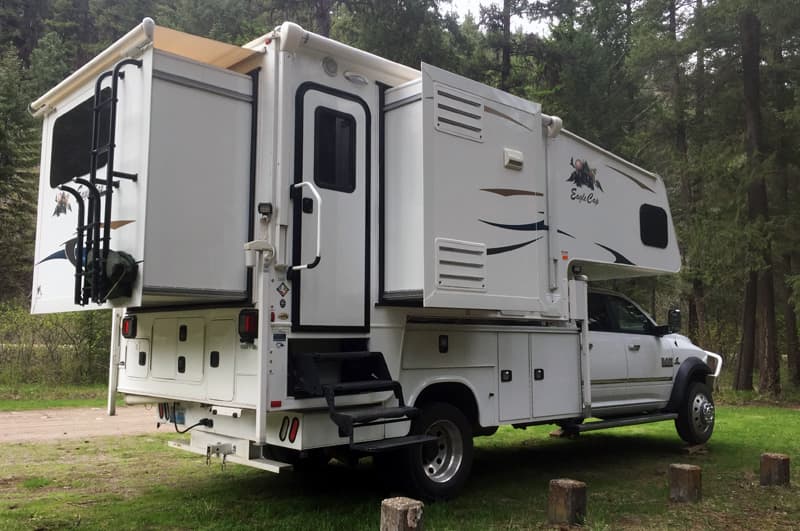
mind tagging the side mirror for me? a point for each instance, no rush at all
(674, 320)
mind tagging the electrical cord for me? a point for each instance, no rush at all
(203, 422)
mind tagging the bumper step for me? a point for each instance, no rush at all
(362, 416)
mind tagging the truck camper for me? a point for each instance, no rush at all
(313, 251)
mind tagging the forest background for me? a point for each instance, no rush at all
(703, 92)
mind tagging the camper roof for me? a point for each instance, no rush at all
(147, 33)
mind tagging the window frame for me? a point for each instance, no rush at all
(351, 184)
(85, 108)
(614, 324)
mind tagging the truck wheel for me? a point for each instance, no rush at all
(437, 470)
(695, 421)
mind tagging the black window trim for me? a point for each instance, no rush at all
(651, 235)
(354, 159)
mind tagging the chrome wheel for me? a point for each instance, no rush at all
(702, 413)
(441, 459)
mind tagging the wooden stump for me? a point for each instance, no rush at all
(774, 469)
(566, 502)
(401, 514)
(685, 483)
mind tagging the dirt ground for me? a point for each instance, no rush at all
(73, 423)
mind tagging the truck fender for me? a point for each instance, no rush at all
(427, 383)
(692, 369)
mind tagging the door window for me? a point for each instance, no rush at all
(334, 150)
(615, 314)
(628, 317)
(599, 318)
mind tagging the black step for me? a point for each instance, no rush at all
(618, 422)
(364, 386)
(345, 355)
(361, 416)
(394, 443)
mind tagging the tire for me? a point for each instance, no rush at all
(438, 470)
(696, 416)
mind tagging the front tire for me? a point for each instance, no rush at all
(695, 422)
(439, 469)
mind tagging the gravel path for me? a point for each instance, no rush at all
(73, 423)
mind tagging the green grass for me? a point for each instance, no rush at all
(139, 483)
(38, 396)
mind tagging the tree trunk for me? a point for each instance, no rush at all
(322, 17)
(747, 348)
(505, 66)
(698, 289)
(783, 102)
(757, 205)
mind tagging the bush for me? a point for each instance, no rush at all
(67, 348)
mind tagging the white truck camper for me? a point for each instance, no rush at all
(311, 251)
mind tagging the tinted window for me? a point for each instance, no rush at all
(72, 141)
(334, 150)
(628, 317)
(653, 226)
(599, 318)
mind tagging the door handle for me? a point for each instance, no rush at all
(315, 193)
(634, 346)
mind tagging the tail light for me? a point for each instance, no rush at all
(129, 327)
(248, 325)
(293, 429)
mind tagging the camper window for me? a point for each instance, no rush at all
(653, 226)
(72, 141)
(334, 150)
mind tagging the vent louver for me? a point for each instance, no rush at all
(460, 265)
(458, 113)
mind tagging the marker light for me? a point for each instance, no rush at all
(248, 325)
(129, 327)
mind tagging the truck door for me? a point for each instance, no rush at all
(608, 362)
(649, 357)
(332, 148)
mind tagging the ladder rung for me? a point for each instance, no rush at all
(124, 175)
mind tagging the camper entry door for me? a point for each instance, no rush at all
(332, 155)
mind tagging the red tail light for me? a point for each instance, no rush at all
(129, 327)
(248, 325)
(295, 427)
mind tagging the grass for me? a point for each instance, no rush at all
(39, 396)
(139, 483)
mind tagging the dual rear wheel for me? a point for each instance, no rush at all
(436, 470)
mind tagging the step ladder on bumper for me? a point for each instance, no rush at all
(335, 374)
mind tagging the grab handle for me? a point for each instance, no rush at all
(315, 193)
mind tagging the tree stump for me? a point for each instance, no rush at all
(774, 469)
(566, 502)
(401, 514)
(685, 483)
